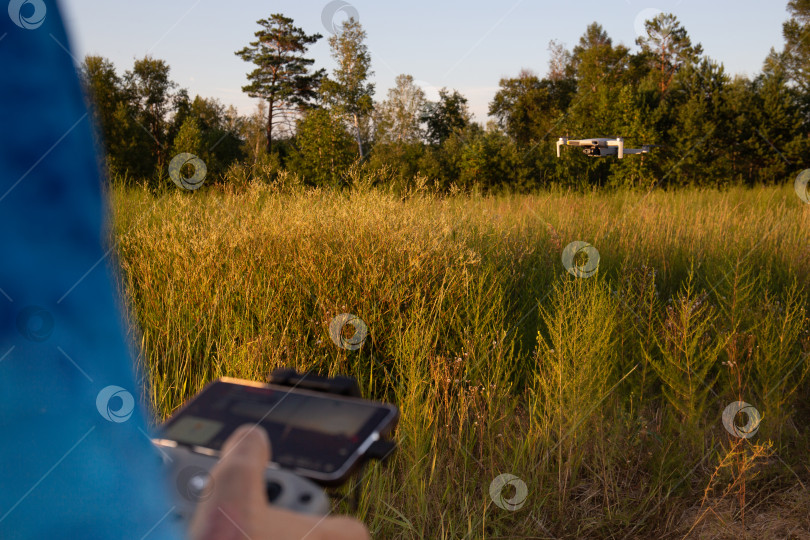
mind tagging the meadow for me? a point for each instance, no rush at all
(603, 394)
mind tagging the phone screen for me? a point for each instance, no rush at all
(314, 433)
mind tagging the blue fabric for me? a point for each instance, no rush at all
(66, 471)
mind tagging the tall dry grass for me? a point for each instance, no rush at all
(602, 394)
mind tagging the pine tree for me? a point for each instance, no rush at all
(597, 61)
(668, 47)
(282, 76)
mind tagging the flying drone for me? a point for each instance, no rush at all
(602, 147)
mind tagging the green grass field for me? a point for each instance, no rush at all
(602, 394)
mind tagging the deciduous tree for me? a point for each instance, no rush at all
(348, 91)
(149, 90)
(398, 118)
(446, 116)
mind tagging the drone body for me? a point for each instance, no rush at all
(601, 147)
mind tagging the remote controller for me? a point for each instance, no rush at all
(188, 476)
(321, 431)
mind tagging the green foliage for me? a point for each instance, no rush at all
(447, 116)
(700, 135)
(189, 138)
(131, 148)
(219, 132)
(525, 107)
(636, 121)
(323, 149)
(687, 357)
(780, 357)
(148, 91)
(577, 349)
(103, 86)
(407, 160)
(484, 159)
(597, 61)
(777, 147)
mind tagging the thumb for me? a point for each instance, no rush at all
(236, 485)
(248, 440)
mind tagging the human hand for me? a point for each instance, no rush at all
(237, 506)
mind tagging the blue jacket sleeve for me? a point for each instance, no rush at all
(75, 456)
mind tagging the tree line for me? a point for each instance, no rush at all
(710, 128)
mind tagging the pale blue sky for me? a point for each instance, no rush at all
(459, 44)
